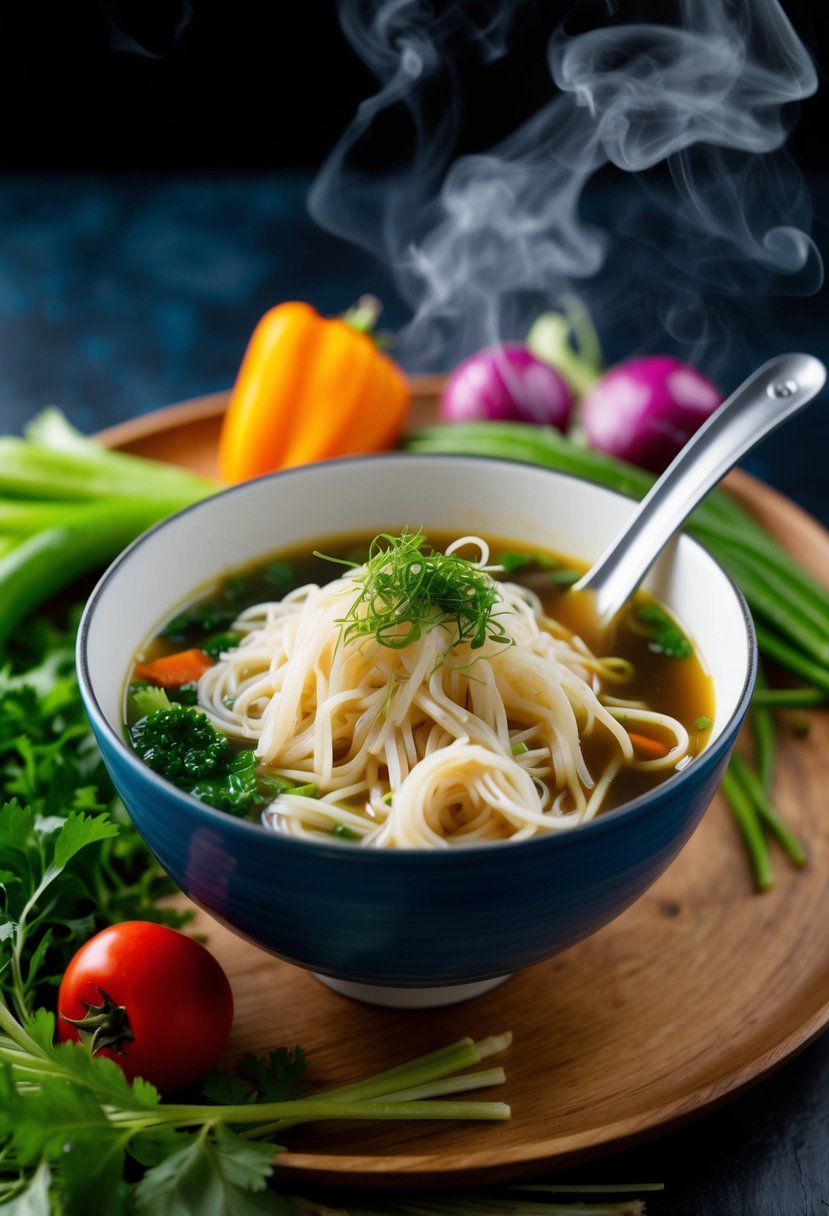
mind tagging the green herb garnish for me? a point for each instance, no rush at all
(343, 833)
(511, 562)
(666, 637)
(407, 587)
(703, 722)
(565, 578)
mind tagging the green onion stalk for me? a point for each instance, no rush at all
(68, 506)
(789, 607)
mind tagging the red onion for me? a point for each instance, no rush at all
(645, 410)
(507, 383)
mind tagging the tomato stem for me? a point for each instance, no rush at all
(105, 1025)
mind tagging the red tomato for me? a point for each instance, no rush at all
(153, 1000)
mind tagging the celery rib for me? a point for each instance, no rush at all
(50, 559)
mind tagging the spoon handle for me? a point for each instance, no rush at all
(766, 399)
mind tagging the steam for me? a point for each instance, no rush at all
(122, 20)
(683, 123)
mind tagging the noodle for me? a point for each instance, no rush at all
(434, 743)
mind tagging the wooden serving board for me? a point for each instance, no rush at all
(695, 992)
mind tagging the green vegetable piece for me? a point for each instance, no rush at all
(272, 785)
(144, 699)
(343, 833)
(569, 343)
(511, 562)
(187, 694)
(665, 635)
(235, 788)
(198, 621)
(217, 643)
(565, 578)
(235, 586)
(279, 575)
(180, 744)
(702, 723)
(303, 791)
(518, 749)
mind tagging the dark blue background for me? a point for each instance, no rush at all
(152, 206)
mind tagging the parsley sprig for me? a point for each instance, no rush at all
(57, 800)
(70, 1122)
(406, 587)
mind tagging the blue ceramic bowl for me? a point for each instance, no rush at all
(405, 927)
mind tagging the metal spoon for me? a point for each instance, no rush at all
(766, 399)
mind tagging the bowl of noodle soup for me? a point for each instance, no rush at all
(446, 795)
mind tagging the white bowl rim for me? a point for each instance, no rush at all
(457, 854)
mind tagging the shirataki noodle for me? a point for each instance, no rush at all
(433, 744)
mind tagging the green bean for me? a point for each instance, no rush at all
(788, 698)
(765, 812)
(791, 658)
(771, 599)
(760, 551)
(747, 820)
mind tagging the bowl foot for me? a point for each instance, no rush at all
(411, 998)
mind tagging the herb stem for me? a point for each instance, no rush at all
(423, 1071)
(311, 1110)
(10, 1026)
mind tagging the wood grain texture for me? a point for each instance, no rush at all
(696, 991)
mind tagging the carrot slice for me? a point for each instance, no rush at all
(171, 670)
(651, 748)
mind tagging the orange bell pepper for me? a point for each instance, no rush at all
(309, 388)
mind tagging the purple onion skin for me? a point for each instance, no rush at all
(507, 383)
(646, 410)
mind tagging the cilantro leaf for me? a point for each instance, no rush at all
(102, 1076)
(62, 1113)
(41, 1028)
(90, 1174)
(225, 1089)
(217, 1174)
(278, 1078)
(16, 823)
(77, 832)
